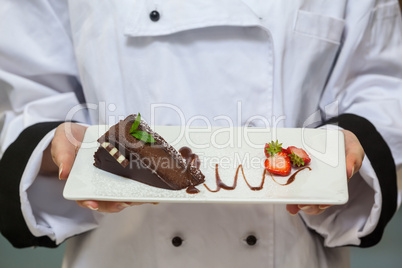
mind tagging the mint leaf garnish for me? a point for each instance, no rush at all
(138, 134)
(144, 136)
(136, 123)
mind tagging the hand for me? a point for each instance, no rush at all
(60, 155)
(354, 154)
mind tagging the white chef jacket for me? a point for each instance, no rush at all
(289, 63)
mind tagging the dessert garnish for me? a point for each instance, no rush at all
(298, 156)
(221, 185)
(139, 134)
(280, 161)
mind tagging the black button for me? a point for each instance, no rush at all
(177, 241)
(154, 16)
(251, 240)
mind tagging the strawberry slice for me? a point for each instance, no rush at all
(278, 164)
(298, 156)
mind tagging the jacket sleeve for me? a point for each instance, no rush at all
(38, 90)
(364, 95)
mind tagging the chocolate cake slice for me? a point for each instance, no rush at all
(154, 163)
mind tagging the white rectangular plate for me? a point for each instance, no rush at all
(326, 183)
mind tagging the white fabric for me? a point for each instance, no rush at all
(224, 62)
(42, 219)
(361, 191)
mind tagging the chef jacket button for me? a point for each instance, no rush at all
(177, 241)
(251, 240)
(154, 15)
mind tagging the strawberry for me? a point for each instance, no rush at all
(273, 148)
(298, 156)
(279, 164)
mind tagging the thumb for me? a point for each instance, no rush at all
(66, 142)
(354, 153)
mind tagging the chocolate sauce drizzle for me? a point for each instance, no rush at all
(190, 157)
(193, 159)
(291, 178)
(221, 185)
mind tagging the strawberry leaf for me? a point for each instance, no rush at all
(273, 148)
(296, 160)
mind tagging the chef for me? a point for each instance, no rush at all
(292, 63)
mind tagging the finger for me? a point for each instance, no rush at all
(292, 209)
(107, 206)
(48, 166)
(352, 165)
(104, 206)
(64, 147)
(92, 205)
(308, 209)
(64, 157)
(324, 206)
(354, 153)
(311, 209)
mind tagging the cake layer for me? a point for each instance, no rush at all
(134, 170)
